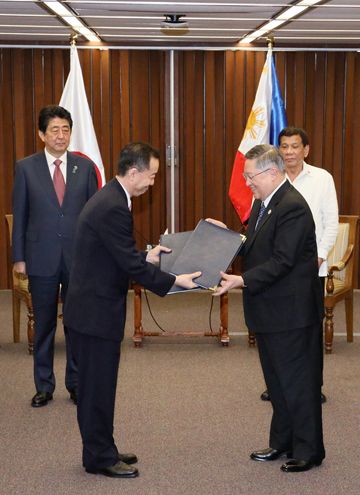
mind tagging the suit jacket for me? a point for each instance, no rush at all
(42, 230)
(104, 261)
(283, 290)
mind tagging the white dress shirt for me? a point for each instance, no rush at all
(317, 187)
(128, 197)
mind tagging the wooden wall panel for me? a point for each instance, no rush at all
(117, 113)
(334, 162)
(216, 90)
(157, 221)
(321, 92)
(354, 174)
(125, 95)
(191, 138)
(104, 121)
(6, 154)
(147, 124)
(214, 167)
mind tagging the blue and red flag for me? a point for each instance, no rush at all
(267, 118)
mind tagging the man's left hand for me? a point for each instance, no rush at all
(153, 255)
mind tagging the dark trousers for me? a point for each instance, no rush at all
(98, 364)
(322, 282)
(292, 367)
(45, 295)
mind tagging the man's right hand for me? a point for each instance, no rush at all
(20, 267)
(229, 282)
(186, 280)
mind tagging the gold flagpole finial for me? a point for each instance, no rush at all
(270, 42)
(73, 38)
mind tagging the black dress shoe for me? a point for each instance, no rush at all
(41, 399)
(268, 454)
(297, 466)
(128, 458)
(265, 395)
(118, 470)
(73, 396)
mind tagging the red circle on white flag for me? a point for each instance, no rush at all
(97, 171)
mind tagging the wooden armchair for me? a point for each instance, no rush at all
(20, 292)
(340, 279)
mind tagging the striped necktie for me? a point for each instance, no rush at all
(260, 214)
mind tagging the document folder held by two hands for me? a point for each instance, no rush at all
(175, 242)
(209, 249)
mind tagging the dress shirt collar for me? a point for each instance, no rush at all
(50, 161)
(128, 197)
(268, 199)
(306, 171)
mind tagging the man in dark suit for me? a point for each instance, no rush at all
(105, 260)
(283, 305)
(50, 190)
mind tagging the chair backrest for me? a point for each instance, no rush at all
(347, 235)
(9, 221)
(19, 281)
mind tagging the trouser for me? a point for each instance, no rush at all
(45, 296)
(292, 367)
(98, 364)
(322, 282)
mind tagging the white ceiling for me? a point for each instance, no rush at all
(331, 24)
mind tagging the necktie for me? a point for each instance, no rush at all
(261, 212)
(59, 183)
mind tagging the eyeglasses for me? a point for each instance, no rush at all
(252, 177)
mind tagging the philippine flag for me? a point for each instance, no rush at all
(267, 118)
(83, 138)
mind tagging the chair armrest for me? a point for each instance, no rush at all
(20, 282)
(338, 267)
(20, 276)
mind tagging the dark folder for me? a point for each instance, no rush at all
(175, 242)
(209, 249)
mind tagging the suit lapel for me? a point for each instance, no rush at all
(253, 216)
(72, 170)
(271, 207)
(45, 180)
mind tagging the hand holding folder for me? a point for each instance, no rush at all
(183, 281)
(208, 248)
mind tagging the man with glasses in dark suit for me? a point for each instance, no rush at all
(283, 306)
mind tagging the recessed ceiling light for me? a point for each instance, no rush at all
(282, 18)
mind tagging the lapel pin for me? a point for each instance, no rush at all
(269, 212)
(74, 169)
